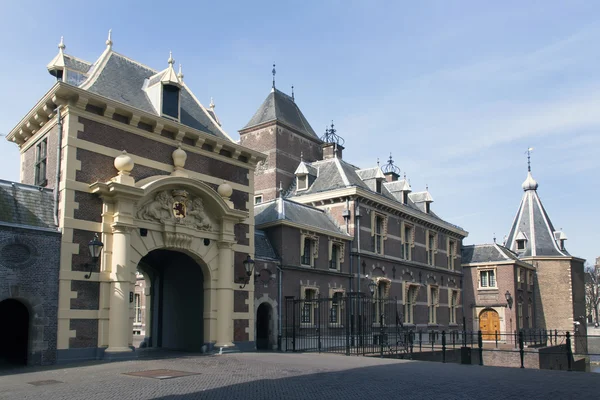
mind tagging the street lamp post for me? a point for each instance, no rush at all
(95, 247)
(509, 303)
(248, 267)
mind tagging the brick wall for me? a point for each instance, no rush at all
(31, 276)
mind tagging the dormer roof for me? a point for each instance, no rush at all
(280, 107)
(370, 173)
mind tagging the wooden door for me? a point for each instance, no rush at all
(489, 323)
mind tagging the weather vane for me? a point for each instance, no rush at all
(529, 150)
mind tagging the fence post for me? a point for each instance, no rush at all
(319, 305)
(432, 339)
(496, 334)
(411, 336)
(521, 351)
(516, 339)
(443, 346)
(294, 324)
(381, 332)
(569, 353)
(420, 340)
(347, 324)
(454, 339)
(480, 344)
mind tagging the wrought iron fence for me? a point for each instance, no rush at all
(351, 324)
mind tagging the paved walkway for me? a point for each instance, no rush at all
(249, 376)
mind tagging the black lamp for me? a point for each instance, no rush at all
(95, 247)
(248, 266)
(509, 299)
(372, 286)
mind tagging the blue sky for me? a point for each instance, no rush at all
(456, 90)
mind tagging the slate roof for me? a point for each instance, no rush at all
(76, 64)
(482, 253)
(533, 222)
(280, 107)
(122, 80)
(282, 209)
(26, 205)
(262, 246)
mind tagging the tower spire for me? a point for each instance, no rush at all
(273, 72)
(529, 150)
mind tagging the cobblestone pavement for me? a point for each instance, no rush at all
(250, 376)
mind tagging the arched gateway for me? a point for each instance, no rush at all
(180, 232)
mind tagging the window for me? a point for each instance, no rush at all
(334, 312)
(521, 244)
(307, 253)
(519, 277)
(378, 234)
(378, 185)
(302, 183)
(453, 304)
(40, 163)
(258, 199)
(431, 245)
(138, 308)
(487, 278)
(562, 244)
(409, 304)
(334, 261)
(530, 279)
(433, 302)
(404, 197)
(170, 103)
(520, 312)
(428, 207)
(407, 242)
(379, 300)
(530, 315)
(308, 306)
(451, 253)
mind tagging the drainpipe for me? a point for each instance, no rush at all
(279, 291)
(58, 156)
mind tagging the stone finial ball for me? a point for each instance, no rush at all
(124, 163)
(225, 190)
(179, 157)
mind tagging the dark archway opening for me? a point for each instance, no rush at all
(176, 301)
(263, 326)
(14, 332)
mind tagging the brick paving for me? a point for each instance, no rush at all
(250, 376)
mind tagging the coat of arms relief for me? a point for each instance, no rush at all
(178, 207)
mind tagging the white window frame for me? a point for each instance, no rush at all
(302, 179)
(410, 294)
(407, 243)
(309, 303)
(431, 238)
(313, 250)
(339, 306)
(451, 253)
(487, 271)
(453, 300)
(137, 306)
(338, 260)
(258, 199)
(433, 302)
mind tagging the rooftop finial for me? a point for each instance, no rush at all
(330, 136)
(180, 74)
(427, 187)
(293, 99)
(494, 237)
(273, 72)
(301, 156)
(109, 41)
(404, 175)
(280, 189)
(61, 45)
(390, 167)
(171, 61)
(378, 161)
(529, 150)
(212, 103)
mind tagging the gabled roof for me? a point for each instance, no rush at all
(370, 173)
(280, 107)
(532, 224)
(262, 246)
(26, 205)
(484, 253)
(282, 209)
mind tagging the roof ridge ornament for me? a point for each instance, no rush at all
(330, 136)
(390, 167)
(529, 183)
(180, 76)
(212, 104)
(171, 61)
(109, 41)
(273, 72)
(61, 45)
(293, 98)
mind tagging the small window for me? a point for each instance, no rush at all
(521, 244)
(530, 279)
(378, 185)
(258, 199)
(308, 306)
(409, 306)
(453, 306)
(334, 313)
(431, 249)
(170, 104)
(302, 182)
(487, 278)
(40, 163)
(427, 207)
(519, 277)
(433, 303)
(334, 263)
(378, 234)
(379, 303)
(138, 308)
(306, 258)
(405, 197)
(406, 246)
(562, 244)
(451, 254)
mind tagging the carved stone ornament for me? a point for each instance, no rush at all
(176, 206)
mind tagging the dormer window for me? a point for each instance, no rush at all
(302, 182)
(427, 207)
(170, 101)
(404, 197)
(562, 244)
(521, 244)
(378, 185)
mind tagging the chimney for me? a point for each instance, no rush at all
(332, 150)
(391, 176)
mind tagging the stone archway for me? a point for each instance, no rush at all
(14, 334)
(264, 323)
(168, 213)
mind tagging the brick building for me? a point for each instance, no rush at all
(533, 246)
(498, 291)
(145, 166)
(334, 227)
(29, 265)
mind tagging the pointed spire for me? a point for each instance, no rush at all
(293, 98)
(180, 76)
(61, 45)
(109, 41)
(171, 61)
(273, 72)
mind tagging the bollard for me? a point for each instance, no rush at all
(432, 339)
(454, 339)
(411, 335)
(420, 340)
(569, 354)
(496, 333)
(521, 351)
(443, 346)
(480, 344)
